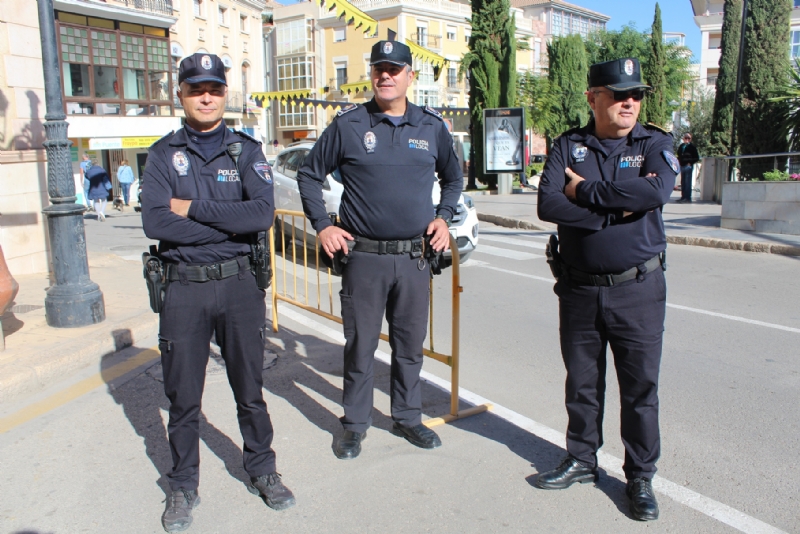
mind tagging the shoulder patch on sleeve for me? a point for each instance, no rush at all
(263, 170)
(672, 161)
(246, 136)
(346, 109)
(430, 111)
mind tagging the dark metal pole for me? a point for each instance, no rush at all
(74, 300)
(738, 82)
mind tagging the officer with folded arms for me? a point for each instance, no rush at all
(207, 191)
(387, 151)
(604, 184)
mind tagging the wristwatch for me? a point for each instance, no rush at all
(446, 218)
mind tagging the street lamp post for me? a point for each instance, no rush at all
(74, 300)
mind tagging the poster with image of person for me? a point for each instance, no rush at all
(504, 134)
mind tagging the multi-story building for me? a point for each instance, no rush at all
(319, 57)
(562, 18)
(708, 16)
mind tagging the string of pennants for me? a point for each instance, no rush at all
(349, 12)
(263, 101)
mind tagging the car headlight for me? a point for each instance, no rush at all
(468, 201)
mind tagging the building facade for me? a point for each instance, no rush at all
(708, 16)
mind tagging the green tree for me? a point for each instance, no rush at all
(541, 104)
(699, 112)
(766, 63)
(568, 74)
(726, 80)
(655, 75)
(491, 66)
(789, 93)
(628, 42)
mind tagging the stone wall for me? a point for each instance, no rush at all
(23, 171)
(769, 207)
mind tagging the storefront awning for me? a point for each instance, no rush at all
(362, 86)
(346, 10)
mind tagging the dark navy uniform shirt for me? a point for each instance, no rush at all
(226, 206)
(387, 171)
(594, 236)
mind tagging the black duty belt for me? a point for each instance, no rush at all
(605, 280)
(204, 273)
(407, 246)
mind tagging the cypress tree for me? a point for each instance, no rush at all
(766, 63)
(492, 52)
(656, 110)
(568, 76)
(726, 80)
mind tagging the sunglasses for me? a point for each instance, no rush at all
(621, 96)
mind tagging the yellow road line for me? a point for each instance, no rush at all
(77, 390)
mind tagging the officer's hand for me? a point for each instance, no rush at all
(180, 207)
(334, 238)
(572, 185)
(440, 235)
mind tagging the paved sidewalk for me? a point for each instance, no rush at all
(686, 224)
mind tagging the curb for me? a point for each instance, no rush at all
(49, 366)
(710, 242)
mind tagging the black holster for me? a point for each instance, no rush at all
(155, 277)
(554, 258)
(260, 260)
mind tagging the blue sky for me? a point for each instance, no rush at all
(676, 16)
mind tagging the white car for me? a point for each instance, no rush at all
(464, 227)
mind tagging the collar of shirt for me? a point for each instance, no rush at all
(411, 117)
(587, 137)
(182, 138)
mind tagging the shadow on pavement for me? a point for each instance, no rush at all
(143, 401)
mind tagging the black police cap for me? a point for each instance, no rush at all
(202, 67)
(618, 75)
(390, 52)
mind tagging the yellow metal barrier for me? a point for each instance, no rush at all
(451, 360)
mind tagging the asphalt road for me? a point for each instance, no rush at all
(730, 384)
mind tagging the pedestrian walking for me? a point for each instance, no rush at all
(387, 152)
(125, 179)
(687, 157)
(604, 185)
(99, 186)
(207, 191)
(85, 164)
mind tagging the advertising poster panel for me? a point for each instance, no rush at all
(504, 135)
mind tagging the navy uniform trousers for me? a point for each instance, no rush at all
(234, 310)
(629, 318)
(372, 283)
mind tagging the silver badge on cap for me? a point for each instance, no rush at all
(629, 67)
(579, 152)
(181, 163)
(205, 62)
(388, 47)
(370, 141)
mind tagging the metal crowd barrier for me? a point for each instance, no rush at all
(283, 295)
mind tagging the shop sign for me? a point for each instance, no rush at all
(111, 143)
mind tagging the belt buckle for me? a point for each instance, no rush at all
(391, 247)
(609, 279)
(214, 272)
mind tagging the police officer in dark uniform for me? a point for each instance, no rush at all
(604, 184)
(387, 152)
(206, 191)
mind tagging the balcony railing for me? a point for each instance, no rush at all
(234, 101)
(153, 6)
(427, 40)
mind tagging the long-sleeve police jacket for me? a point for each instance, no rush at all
(594, 234)
(228, 204)
(387, 171)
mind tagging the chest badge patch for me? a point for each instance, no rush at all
(181, 163)
(579, 152)
(672, 161)
(227, 175)
(263, 171)
(370, 142)
(420, 144)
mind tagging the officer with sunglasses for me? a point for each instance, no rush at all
(604, 185)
